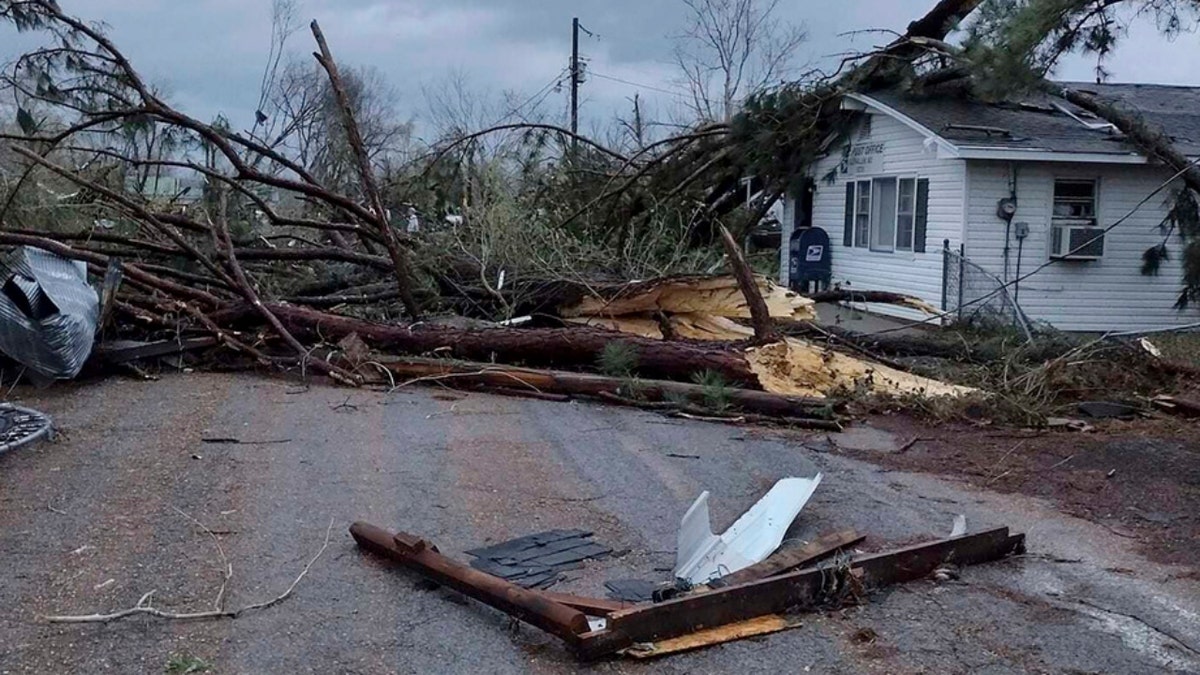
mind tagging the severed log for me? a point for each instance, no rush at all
(530, 606)
(459, 374)
(553, 347)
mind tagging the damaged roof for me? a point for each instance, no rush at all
(1042, 122)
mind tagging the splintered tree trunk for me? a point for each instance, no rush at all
(559, 347)
(760, 316)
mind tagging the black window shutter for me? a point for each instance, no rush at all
(922, 215)
(848, 231)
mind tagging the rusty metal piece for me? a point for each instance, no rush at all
(805, 589)
(529, 606)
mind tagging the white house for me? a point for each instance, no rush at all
(1014, 187)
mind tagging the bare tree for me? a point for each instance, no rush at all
(730, 49)
(308, 120)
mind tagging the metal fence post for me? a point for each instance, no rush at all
(962, 281)
(945, 272)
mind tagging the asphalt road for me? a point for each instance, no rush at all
(93, 521)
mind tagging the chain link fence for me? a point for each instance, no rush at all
(972, 295)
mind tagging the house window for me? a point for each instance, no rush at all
(862, 213)
(906, 213)
(884, 214)
(1074, 231)
(1075, 200)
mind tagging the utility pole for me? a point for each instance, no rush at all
(574, 80)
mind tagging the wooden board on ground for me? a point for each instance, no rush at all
(763, 625)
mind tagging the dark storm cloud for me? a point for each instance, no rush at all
(209, 54)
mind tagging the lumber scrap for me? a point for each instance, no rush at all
(803, 590)
(763, 625)
(790, 559)
(704, 611)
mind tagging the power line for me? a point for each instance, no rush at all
(542, 93)
(637, 84)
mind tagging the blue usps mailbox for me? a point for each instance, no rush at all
(811, 266)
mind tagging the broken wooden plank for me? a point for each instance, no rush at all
(786, 561)
(123, 351)
(802, 590)
(529, 606)
(763, 625)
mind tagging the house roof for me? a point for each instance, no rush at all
(1041, 122)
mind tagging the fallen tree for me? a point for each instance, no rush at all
(803, 412)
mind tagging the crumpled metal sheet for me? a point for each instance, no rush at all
(702, 556)
(48, 312)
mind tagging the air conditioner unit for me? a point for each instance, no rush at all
(1076, 240)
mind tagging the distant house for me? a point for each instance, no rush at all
(1010, 187)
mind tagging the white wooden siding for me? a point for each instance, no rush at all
(1106, 294)
(918, 274)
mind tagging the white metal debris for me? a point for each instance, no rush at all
(701, 556)
(960, 526)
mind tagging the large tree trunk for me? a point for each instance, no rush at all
(557, 347)
(461, 374)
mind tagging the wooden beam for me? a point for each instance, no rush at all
(806, 589)
(786, 561)
(529, 606)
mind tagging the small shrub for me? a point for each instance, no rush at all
(180, 664)
(715, 389)
(618, 359)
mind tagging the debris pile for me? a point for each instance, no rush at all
(726, 587)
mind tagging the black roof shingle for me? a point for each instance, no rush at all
(1039, 123)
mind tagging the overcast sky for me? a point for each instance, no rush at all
(210, 53)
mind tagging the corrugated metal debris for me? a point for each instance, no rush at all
(48, 312)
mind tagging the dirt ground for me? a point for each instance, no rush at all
(104, 515)
(1139, 479)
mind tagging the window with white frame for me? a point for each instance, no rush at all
(884, 213)
(862, 212)
(1074, 232)
(1075, 200)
